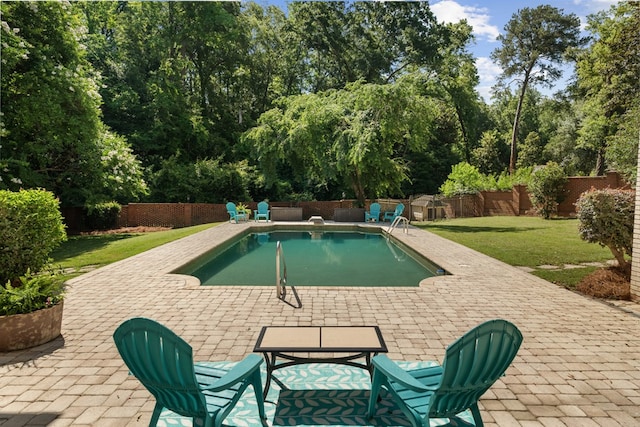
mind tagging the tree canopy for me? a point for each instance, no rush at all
(217, 101)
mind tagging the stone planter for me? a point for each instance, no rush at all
(20, 331)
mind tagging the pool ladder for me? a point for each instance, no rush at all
(281, 278)
(397, 220)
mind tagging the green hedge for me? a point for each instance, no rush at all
(30, 228)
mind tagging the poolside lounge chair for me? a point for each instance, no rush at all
(390, 216)
(470, 367)
(262, 212)
(234, 215)
(163, 362)
(373, 214)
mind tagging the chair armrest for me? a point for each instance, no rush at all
(391, 370)
(238, 373)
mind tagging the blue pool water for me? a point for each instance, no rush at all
(328, 258)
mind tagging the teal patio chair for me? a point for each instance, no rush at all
(390, 216)
(373, 213)
(163, 363)
(262, 212)
(234, 215)
(472, 364)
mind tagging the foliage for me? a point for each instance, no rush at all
(33, 292)
(606, 217)
(467, 179)
(622, 151)
(52, 134)
(30, 228)
(489, 157)
(530, 152)
(608, 73)
(103, 216)
(354, 136)
(204, 181)
(547, 188)
(535, 40)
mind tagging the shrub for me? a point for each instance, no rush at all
(547, 188)
(34, 292)
(30, 228)
(103, 216)
(606, 217)
(463, 179)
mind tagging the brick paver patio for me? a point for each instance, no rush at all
(579, 364)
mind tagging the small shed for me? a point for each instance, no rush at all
(427, 208)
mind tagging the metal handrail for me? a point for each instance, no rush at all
(395, 223)
(281, 278)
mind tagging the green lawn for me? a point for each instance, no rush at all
(102, 249)
(526, 241)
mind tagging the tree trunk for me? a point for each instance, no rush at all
(516, 123)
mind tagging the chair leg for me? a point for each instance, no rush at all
(376, 383)
(475, 411)
(256, 382)
(156, 415)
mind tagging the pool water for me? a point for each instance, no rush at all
(328, 258)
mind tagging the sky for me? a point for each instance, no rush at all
(488, 18)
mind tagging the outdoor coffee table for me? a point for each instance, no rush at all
(284, 341)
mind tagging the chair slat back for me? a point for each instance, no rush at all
(163, 363)
(472, 364)
(399, 209)
(263, 208)
(231, 208)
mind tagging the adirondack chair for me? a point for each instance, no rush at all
(234, 215)
(163, 362)
(373, 213)
(472, 364)
(262, 212)
(390, 216)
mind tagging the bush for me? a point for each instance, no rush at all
(547, 188)
(606, 217)
(30, 228)
(34, 292)
(463, 179)
(103, 216)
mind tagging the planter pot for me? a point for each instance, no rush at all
(20, 331)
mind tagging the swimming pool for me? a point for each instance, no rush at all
(313, 258)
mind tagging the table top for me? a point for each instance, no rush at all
(334, 339)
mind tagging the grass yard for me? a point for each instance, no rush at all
(96, 250)
(528, 242)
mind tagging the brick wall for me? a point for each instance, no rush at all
(635, 260)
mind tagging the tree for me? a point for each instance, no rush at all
(52, 133)
(606, 217)
(609, 77)
(535, 41)
(547, 188)
(355, 137)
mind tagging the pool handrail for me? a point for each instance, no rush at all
(281, 279)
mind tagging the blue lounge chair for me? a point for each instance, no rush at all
(470, 367)
(373, 214)
(234, 215)
(262, 212)
(390, 216)
(163, 362)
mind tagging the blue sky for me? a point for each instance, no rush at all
(488, 18)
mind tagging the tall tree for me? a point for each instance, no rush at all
(609, 77)
(535, 43)
(52, 134)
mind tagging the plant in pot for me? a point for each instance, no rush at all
(243, 209)
(30, 293)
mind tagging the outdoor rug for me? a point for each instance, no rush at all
(318, 394)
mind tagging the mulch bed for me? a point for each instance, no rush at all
(607, 283)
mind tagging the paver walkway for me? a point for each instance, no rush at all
(579, 364)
